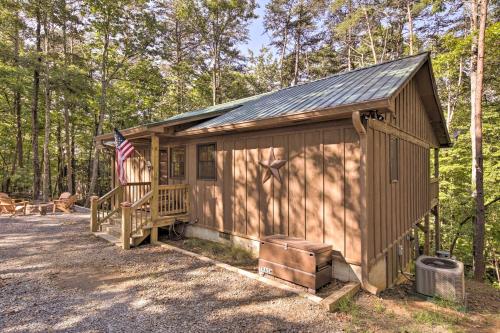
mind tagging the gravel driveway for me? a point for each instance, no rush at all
(56, 276)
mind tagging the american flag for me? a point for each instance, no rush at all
(123, 150)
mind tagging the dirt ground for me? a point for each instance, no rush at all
(55, 276)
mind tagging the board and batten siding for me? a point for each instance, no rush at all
(410, 115)
(318, 198)
(136, 171)
(395, 207)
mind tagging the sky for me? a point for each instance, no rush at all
(257, 36)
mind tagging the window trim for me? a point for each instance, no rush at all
(198, 146)
(171, 162)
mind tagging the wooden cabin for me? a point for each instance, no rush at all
(357, 172)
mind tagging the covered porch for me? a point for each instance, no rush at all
(152, 198)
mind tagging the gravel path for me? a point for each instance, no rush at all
(55, 276)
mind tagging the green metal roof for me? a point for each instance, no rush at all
(207, 112)
(366, 84)
(373, 83)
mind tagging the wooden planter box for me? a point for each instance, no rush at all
(296, 260)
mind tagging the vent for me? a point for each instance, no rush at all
(441, 277)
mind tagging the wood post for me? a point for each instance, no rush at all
(155, 173)
(437, 228)
(435, 210)
(426, 235)
(417, 243)
(93, 214)
(126, 214)
(154, 235)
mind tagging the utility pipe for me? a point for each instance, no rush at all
(360, 129)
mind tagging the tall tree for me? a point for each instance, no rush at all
(278, 22)
(67, 145)
(46, 142)
(473, 82)
(123, 33)
(479, 264)
(222, 25)
(34, 103)
(181, 47)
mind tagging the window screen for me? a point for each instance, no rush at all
(394, 159)
(206, 161)
(177, 161)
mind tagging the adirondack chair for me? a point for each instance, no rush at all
(11, 206)
(64, 203)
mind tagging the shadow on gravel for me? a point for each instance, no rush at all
(60, 278)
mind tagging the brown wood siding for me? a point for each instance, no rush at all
(137, 171)
(395, 207)
(410, 115)
(318, 198)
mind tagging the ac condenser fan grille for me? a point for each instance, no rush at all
(440, 277)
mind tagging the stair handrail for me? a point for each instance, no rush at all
(142, 200)
(109, 194)
(130, 224)
(99, 215)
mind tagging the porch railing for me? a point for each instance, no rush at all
(105, 207)
(173, 199)
(109, 205)
(136, 215)
(135, 191)
(140, 213)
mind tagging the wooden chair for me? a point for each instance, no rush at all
(64, 203)
(11, 206)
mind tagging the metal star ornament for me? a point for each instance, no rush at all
(272, 166)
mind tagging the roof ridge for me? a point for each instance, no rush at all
(316, 80)
(354, 70)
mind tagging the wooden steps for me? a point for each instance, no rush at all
(112, 232)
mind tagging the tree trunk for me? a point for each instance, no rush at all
(215, 74)
(410, 26)
(297, 57)
(473, 82)
(17, 106)
(46, 157)
(60, 161)
(69, 157)
(369, 30)
(479, 267)
(73, 162)
(349, 40)
(34, 109)
(283, 49)
(298, 43)
(102, 112)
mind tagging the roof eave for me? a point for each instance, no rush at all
(339, 112)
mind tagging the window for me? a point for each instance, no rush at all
(163, 167)
(177, 162)
(206, 161)
(394, 159)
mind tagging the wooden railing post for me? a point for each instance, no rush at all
(437, 224)
(126, 217)
(426, 235)
(186, 201)
(155, 173)
(93, 215)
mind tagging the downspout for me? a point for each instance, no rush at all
(358, 126)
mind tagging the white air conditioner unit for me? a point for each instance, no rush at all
(441, 277)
